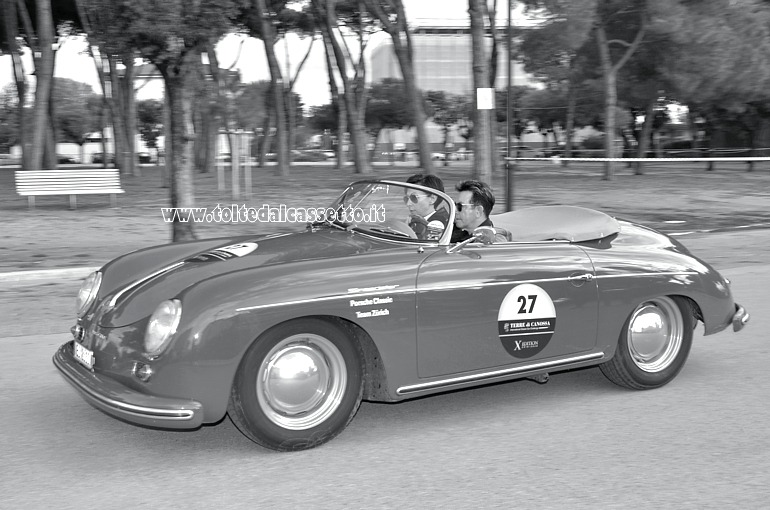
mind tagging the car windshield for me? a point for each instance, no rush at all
(395, 211)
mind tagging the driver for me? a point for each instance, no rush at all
(426, 219)
(473, 206)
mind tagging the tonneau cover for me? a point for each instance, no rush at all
(556, 222)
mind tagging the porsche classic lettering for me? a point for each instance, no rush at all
(372, 301)
(272, 342)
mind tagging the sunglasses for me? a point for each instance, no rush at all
(460, 205)
(413, 197)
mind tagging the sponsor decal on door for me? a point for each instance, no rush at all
(526, 321)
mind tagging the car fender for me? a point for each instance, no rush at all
(223, 315)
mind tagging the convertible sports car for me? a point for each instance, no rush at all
(287, 333)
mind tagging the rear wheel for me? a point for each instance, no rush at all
(653, 345)
(298, 385)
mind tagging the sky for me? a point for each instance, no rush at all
(74, 63)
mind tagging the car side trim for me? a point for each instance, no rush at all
(327, 298)
(664, 273)
(447, 287)
(394, 291)
(496, 374)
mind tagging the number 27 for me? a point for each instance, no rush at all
(523, 301)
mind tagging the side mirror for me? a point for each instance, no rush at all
(484, 235)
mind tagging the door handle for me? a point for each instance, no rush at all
(579, 279)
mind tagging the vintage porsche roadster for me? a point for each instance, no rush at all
(287, 333)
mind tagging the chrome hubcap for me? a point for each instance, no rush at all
(655, 334)
(301, 381)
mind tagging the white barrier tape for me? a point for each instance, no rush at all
(641, 160)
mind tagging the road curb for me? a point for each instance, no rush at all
(47, 274)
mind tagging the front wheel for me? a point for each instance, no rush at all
(653, 345)
(298, 385)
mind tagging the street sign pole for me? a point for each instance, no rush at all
(510, 166)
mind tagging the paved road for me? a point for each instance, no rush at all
(577, 442)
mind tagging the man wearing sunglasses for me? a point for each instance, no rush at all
(472, 209)
(427, 219)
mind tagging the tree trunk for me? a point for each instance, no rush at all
(610, 72)
(482, 129)
(342, 123)
(211, 127)
(223, 101)
(289, 102)
(127, 86)
(166, 167)
(10, 17)
(21, 90)
(105, 123)
(610, 101)
(357, 130)
(50, 160)
(44, 76)
(122, 106)
(414, 98)
(179, 95)
(342, 128)
(446, 148)
(268, 37)
(570, 123)
(644, 138)
(199, 150)
(264, 147)
(375, 137)
(354, 95)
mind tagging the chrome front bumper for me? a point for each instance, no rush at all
(740, 317)
(117, 400)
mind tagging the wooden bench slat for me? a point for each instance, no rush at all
(69, 183)
(58, 175)
(90, 192)
(71, 187)
(70, 179)
(100, 181)
(53, 184)
(61, 178)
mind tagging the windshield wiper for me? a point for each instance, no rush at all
(329, 223)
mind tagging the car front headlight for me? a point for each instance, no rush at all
(162, 326)
(88, 292)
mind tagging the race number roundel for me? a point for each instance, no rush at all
(526, 321)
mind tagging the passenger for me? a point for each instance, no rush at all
(427, 219)
(473, 207)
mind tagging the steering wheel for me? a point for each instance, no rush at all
(399, 227)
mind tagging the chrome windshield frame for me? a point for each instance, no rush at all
(445, 236)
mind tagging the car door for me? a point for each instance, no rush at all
(495, 305)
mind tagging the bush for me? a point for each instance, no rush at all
(308, 156)
(677, 144)
(593, 143)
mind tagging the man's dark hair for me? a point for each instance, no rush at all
(429, 181)
(482, 194)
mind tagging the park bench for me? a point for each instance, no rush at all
(72, 182)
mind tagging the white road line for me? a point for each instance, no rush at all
(47, 274)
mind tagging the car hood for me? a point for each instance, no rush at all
(166, 271)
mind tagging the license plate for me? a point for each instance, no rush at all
(83, 355)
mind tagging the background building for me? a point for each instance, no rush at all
(443, 57)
